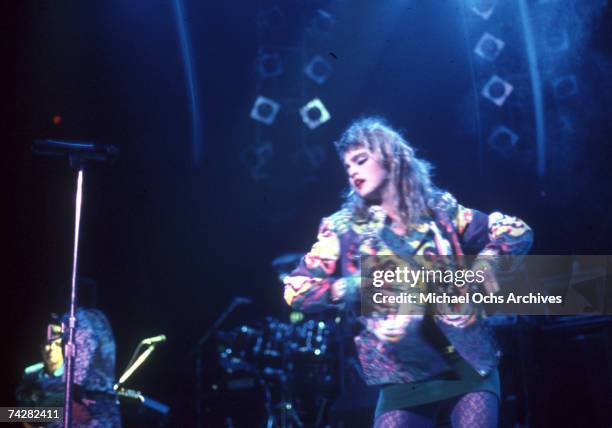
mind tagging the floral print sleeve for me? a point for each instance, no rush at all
(308, 287)
(491, 235)
(508, 235)
(493, 238)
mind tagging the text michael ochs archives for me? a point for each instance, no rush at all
(407, 277)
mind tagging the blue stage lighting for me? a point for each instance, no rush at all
(497, 90)
(318, 69)
(503, 139)
(482, 8)
(270, 65)
(265, 110)
(314, 114)
(489, 47)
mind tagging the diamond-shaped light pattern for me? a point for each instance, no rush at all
(503, 139)
(272, 19)
(497, 90)
(483, 8)
(322, 24)
(489, 47)
(565, 86)
(555, 39)
(314, 113)
(318, 69)
(270, 65)
(255, 159)
(265, 110)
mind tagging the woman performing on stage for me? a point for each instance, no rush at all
(429, 367)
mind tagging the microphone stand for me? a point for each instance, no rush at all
(132, 368)
(77, 162)
(199, 390)
(77, 153)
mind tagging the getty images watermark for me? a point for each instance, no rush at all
(512, 285)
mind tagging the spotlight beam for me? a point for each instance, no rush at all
(536, 88)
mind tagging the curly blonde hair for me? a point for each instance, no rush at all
(409, 175)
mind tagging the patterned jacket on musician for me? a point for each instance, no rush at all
(391, 347)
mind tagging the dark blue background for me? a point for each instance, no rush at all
(172, 242)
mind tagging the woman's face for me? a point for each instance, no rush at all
(366, 172)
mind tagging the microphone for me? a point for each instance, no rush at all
(153, 340)
(239, 300)
(86, 150)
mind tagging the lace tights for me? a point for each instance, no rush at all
(472, 410)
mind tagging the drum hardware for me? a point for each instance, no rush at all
(237, 301)
(279, 364)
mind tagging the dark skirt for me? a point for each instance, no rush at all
(460, 380)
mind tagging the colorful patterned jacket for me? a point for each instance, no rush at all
(391, 347)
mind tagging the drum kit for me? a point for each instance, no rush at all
(281, 374)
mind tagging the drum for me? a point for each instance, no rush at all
(238, 349)
(314, 365)
(311, 338)
(272, 354)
